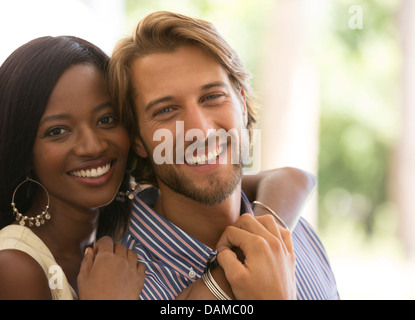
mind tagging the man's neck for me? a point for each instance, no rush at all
(205, 223)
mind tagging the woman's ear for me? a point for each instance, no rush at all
(139, 148)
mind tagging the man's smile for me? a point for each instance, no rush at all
(205, 159)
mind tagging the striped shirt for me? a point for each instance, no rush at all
(174, 259)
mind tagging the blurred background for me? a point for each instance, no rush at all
(334, 79)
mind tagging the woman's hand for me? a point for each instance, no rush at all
(110, 272)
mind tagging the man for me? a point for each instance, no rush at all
(178, 70)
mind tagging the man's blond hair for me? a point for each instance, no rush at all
(165, 32)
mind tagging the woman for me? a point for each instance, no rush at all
(63, 159)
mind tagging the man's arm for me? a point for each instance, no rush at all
(284, 190)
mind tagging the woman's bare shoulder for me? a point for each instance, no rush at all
(22, 277)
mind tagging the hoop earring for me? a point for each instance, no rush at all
(39, 219)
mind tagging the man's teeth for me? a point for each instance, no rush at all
(204, 159)
(92, 173)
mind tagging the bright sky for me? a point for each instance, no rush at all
(99, 21)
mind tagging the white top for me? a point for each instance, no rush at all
(22, 238)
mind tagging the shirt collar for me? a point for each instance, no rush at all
(167, 242)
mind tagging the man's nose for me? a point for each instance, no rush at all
(90, 143)
(197, 119)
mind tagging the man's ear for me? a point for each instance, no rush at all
(244, 107)
(139, 148)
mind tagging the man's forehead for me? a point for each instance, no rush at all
(162, 72)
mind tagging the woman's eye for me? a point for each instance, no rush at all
(56, 132)
(110, 119)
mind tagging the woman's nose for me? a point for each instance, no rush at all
(90, 143)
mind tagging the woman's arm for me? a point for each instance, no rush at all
(284, 190)
(21, 277)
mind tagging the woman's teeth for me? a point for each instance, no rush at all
(192, 160)
(92, 173)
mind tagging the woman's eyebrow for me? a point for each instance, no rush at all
(65, 116)
(61, 116)
(102, 106)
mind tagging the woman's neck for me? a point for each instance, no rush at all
(67, 234)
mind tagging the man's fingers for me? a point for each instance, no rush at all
(229, 262)
(249, 223)
(280, 232)
(269, 224)
(248, 242)
(256, 237)
(286, 237)
(264, 226)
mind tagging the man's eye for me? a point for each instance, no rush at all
(163, 112)
(214, 97)
(211, 97)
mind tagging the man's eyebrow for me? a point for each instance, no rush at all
(64, 116)
(214, 84)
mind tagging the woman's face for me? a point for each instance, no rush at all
(81, 149)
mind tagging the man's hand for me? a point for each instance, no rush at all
(268, 269)
(110, 272)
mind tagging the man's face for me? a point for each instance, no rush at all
(185, 92)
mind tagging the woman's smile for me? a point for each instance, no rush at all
(94, 174)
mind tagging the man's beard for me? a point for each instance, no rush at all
(218, 188)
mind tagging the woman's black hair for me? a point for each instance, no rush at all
(27, 79)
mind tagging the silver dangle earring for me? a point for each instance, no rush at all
(37, 220)
(128, 194)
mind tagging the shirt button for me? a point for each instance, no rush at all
(192, 274)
